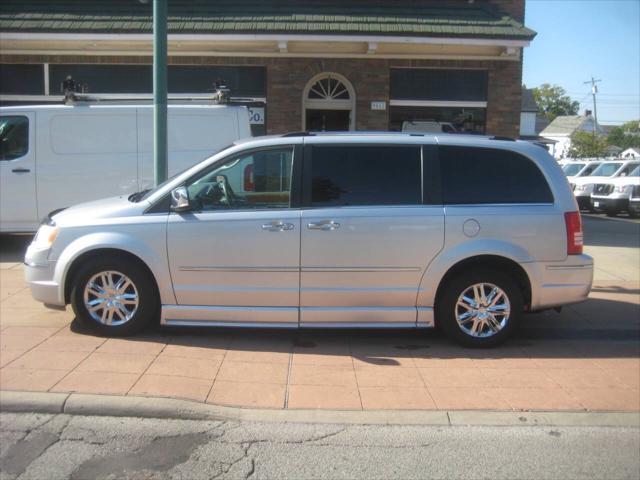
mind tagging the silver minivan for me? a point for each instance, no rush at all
(327, 231)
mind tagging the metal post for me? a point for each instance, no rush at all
(594, 90)
(159, 91)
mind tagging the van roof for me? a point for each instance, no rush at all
(108, 105)
(389, 137)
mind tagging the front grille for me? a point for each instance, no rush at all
(602, 189)
(636, 191)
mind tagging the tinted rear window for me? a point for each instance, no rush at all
(486, 175)
(365, 175)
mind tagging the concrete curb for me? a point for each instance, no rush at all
(146, 407)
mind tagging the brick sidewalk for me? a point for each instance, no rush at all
(587, 358)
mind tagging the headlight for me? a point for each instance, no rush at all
(45, 237)
(580, 188)
(621, 188)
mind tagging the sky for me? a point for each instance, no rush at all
(578, 39)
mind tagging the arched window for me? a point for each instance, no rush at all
(329, 103)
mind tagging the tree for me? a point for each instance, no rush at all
(626, 135)
(587, 145)
(554, 101)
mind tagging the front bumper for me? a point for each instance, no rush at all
(563, 283)
(39, 273)
(608, 203)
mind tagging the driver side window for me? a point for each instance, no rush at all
(257, 180)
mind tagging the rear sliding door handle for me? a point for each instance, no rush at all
(277, 226)
(326, 226)
(21, 170)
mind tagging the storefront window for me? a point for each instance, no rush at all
(438, 100)
(463, 119)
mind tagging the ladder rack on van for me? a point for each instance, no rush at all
(78, 98)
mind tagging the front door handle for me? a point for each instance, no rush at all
(277, 226)
(325, 225)
(21, 170)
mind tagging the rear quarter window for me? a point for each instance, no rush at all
(487, 175)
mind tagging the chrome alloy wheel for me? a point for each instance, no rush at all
(482, 310)
(111, 298)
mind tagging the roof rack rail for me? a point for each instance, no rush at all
(297, 134)
(505, 139)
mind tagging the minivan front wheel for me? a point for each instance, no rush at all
(115, 297)
(480, 308)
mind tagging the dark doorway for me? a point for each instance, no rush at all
(328, 120)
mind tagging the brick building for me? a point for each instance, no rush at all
(310, 65)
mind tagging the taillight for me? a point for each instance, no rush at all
(575, 238)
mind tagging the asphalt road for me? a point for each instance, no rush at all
(37, 446)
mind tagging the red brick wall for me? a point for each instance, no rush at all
(287, 77)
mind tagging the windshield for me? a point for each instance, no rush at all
(143, 195)
(635, 172)
(606, 169)
(572, 169)
(588, 169)
(627, 170)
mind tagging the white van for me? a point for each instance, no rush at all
(54, 156)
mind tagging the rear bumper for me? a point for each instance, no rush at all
(563, 283)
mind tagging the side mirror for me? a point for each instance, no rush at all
(180, 200)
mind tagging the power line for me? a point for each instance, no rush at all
(608, 94)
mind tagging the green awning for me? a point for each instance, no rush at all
(251, 17)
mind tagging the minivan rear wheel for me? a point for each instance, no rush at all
(480, 308)
(115, 296)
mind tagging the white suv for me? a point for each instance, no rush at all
(606, 171)
(613, 196)
(326, 230)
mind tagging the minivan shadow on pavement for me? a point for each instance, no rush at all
(599, 328)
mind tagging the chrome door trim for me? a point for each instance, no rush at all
(368, 325)
(205, 315)
(360, 269)
(287, 317)
(265, 268)
(207, 323)
(345, 315)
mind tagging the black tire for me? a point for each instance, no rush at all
(143, 283)
(611, 212)
(446, 306)
(634, 214)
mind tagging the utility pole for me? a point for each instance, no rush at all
(159, 91)
(594, 90)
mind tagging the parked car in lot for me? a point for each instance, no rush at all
(579, 169)
(327, 230)
(583, 186)
(428, 126)
(54, 156)
(634, 202)
(613, 197)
